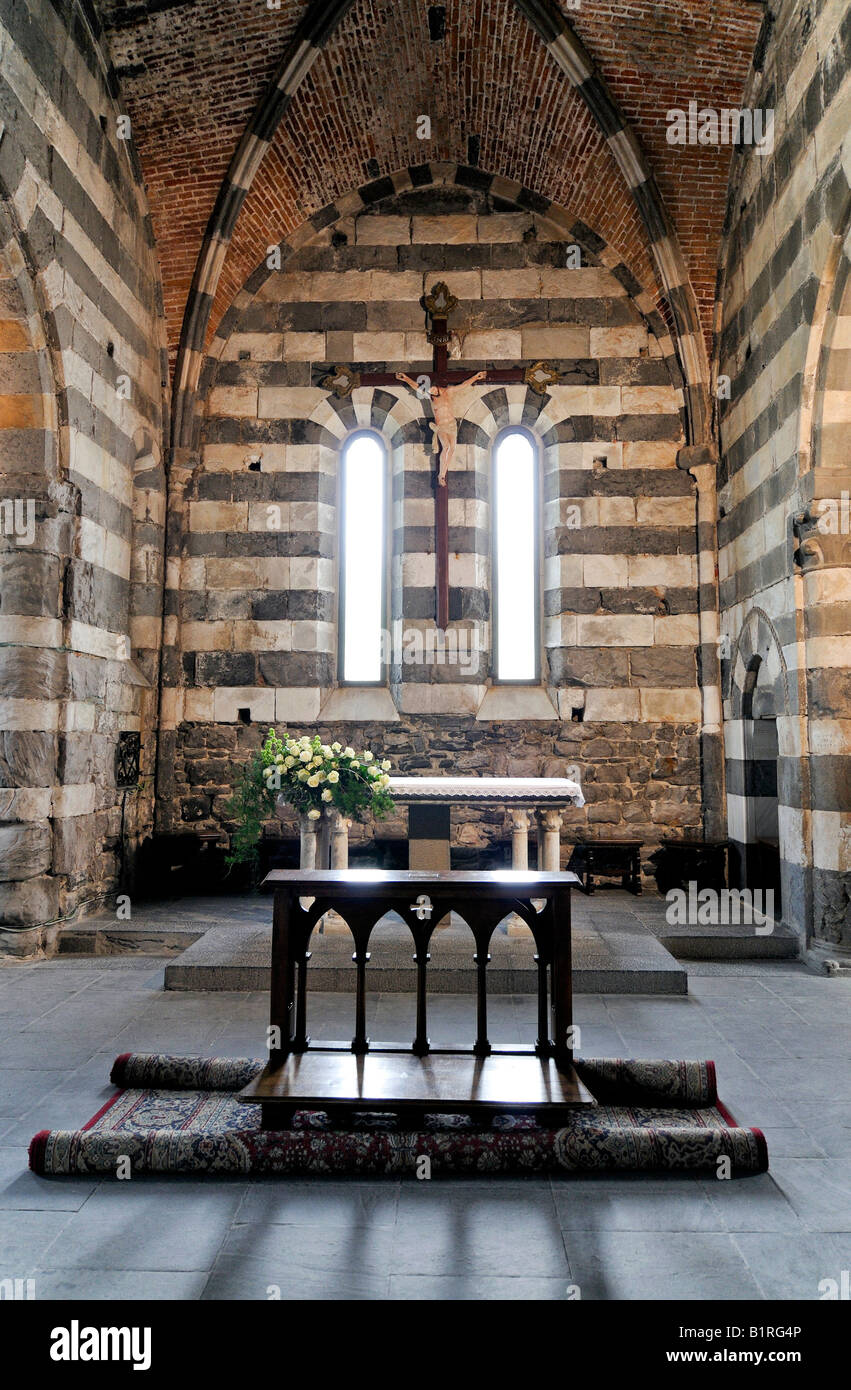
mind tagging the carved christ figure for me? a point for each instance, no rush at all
(444, 425)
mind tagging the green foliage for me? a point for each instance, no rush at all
(251, 804)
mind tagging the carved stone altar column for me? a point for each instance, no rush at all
(338, 829)
(339, 839)
(549, 840)
(519, 839)
(308, 846)
(520, 822)
(701, 462)
(308, 849)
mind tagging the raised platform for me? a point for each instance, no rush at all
(730, 942)
(627, 959)
(622, 945)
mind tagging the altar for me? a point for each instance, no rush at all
(532, 802)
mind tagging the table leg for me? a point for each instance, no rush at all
(561, 986)
(636, 872)
(301, 1041)
(283, 978)
(360, 1042)
(542, 1042)
(420, 1045)
(482, 1047)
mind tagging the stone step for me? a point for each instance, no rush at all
(624, 961)
(99, 936)
(621, 944)
(730, 942)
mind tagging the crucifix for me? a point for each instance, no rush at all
(439, 388)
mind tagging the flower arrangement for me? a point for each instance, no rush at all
(309, 775)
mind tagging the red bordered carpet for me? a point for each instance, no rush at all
(181, 1115)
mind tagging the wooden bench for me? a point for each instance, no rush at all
(615, 858)
(341, 1078)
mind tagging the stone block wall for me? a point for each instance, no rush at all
(81, 416)
(637, 781)
(784, 570)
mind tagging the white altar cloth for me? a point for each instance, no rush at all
(488, 791)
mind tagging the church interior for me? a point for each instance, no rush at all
(424, 475)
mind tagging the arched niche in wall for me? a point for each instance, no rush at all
(764, 832)
(37, 533)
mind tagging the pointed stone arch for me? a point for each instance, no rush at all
(37, 522)
(315, 30)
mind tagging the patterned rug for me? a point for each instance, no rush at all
(181, 1115)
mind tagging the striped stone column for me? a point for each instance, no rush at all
(171, 697)
(822, 556)
(701, 463)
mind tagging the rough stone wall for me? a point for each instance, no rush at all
(642, 781)
(81, 417)
(619, 695)
(784, 582)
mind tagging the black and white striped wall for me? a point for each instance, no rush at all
(620, 621)
(784, 576)
(82, 418)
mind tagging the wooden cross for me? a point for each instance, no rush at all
(439, 304)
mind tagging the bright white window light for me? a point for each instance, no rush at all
(363, 558)
(516, 559)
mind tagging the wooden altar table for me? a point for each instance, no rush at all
(362, 1075)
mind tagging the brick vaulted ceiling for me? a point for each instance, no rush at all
(191, 73)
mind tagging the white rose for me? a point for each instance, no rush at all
(313, 781)
(327, 795)
(333, 776)
(336, 747)
(354, 763)
(314, 814)
(305, 755)
(289, 762)
(386, 765)
(302, 774)
(368, 757)
(349, 753)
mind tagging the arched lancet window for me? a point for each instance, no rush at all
(516, 559)
(363, 559)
